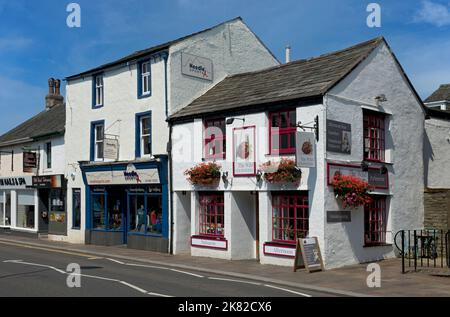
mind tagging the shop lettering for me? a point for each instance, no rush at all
(132, 176)
(198, 69)
(13, 182)
(187, 307)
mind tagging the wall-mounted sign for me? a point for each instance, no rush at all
(130, 176)
(339, 137)
(339, 216)
(111, 149)
(196, 66)
(347, 170)
(209, 243)
(279, 250)
(30, 162)
(15, 182)
(244, 151)
(306, 149)
(377, 179)
(308, 255)
(53, 181)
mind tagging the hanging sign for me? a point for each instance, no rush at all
(29, 162)
(244, 155)
(339, 137)
(111, 149)
(306, 149)
(308, 255)
(196, 66)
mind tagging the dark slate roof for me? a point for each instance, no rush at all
(46, 123)
(296, 80)
(437, 113)
(442, 94)
(152, 50)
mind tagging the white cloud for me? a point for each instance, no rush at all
(14, 43)
(433, 13)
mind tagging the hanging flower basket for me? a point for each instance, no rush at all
(282, 172)
(204, 174)
(352, 191)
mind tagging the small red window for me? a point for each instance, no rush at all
(375, 221)
(374, 137)
(215, 139)
(212, 215)
(290, 217)
(283, 126)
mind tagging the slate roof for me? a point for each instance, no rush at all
(48, 122)
(154, 49)
(296, 80)
(442, 94)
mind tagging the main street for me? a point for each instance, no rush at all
(31, 271)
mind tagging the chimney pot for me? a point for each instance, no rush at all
(54, 97)
(288, 54)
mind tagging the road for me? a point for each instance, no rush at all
(27, 271)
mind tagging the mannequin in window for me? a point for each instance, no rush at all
(140, 215)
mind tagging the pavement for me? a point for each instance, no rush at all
(348, 281)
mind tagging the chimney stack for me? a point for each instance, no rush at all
(288, 54)
(54, 97)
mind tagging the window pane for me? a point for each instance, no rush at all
(76, 203)
(154, 206)
(115, 211)
(283, 120)
(98, 211)
(99, 150)
(138, 214)
(99, 133)
(146, 145)
(285, 141)
(146, 125)
(275, 120)
(292, 119)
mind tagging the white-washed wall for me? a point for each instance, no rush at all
(437, 153)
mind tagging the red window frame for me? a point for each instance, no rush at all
(211, 215)
(213, 138)
(290, 217)
(375, 221)
(374, 137)
(289, 130)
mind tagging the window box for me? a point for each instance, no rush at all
(352, 191)
(282, 172)
(204, 174)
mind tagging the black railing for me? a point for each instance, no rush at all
(427, 248)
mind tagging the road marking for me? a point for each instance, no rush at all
(235, 281)
(45, 249)
(288, 290)
(89, 276)
(188, 273)
(115, 261)
(147, 266)
(95, 258)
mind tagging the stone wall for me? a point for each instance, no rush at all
(437, 209)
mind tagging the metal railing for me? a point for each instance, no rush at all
(427, 248)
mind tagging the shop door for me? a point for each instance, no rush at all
(117, 212)
(44, 210)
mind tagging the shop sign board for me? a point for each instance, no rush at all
(373, 176)
(15, 182)
(377, 179)
(308, 255)
(29, 162)
(339, 137)
(111, 149)
(279, 250)
(306, 149)
(196, 66)
(130, 176)
(339, 216)
(209, 243)
(53, 181)
(244, 151)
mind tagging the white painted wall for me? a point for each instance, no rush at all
(182, 223)
(437, 153)
(242, 230)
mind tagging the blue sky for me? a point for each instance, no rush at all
(35, 42)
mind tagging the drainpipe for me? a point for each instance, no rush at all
(169, 151)
(165, 56)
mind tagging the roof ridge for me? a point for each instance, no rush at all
(376, 40)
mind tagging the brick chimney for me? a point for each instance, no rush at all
(54, 97)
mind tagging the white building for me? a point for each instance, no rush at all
(437, 160)
(32, 165)
(358, 97)
(117, 134)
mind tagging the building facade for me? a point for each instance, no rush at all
(117, 135)
(32, 180)
(362, 118)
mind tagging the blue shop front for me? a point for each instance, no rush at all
(127, 204)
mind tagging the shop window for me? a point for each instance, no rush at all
(98, 211)
(145, 214)
(374, 136)
(2, 209)
(25, 210)
(375, 221)
(212, 222)
(215, 139)
(76, 208)
(290, 217)
(143, 134)
(114, 211)
(97, 91)
(144, 79)
(283, 127)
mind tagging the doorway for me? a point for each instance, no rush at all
(44, 210)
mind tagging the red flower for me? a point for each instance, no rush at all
(204, 174)
(352, 191)
(285, 171)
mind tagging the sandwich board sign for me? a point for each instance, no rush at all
(308, 255)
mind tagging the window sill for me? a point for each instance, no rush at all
(377, 245)
(97, 107)
(144, 96)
